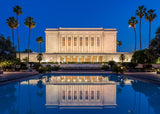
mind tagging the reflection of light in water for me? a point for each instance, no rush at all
(81, 96)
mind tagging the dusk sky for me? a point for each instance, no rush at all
(79, 14)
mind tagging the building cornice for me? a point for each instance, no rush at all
(80, 29)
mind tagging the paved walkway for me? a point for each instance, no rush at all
(7, 77)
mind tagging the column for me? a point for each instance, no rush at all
(77, 58)
(82, 50)
(91, 78)
(71, 58)
(97, 78)
(64, 78)
(89, 43)
(77, 80)
(71, 43)
(78, 42)
(60, 42)
(97, 58)
(102, 43)
(96, 44)
(64, 58)
(90, 58)
(67, 43)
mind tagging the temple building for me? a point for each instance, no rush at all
(80, 45)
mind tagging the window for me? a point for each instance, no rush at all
(98, 41)
(63, 41)
(69, 41)
(69, 95)
(92, 95)
(80, 41)
(92, 41)
(86, 41)
(75, 41)
(86, 96)
(98, 95)
(80, 95)
(75, 95)
(63, 95)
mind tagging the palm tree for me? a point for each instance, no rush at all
(132, 23)
(150, 16)
(40, 40)
(140, 13)
(39, 57)
(30, 24)
(12, 23)
(119, 43)
(18, 11)
(122, 57)
(37, 40)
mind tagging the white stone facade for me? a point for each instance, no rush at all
(80, 45)
(81, 40)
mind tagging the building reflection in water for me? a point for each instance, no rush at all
(66, 92)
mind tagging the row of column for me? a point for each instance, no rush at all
(84, 58)
(78, 48)
(80, 80)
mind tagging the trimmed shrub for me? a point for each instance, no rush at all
(111, 63)
(48, 68)
(55, 68)
(36, 66)
(41, 69)
(119, 69)
(105, 67)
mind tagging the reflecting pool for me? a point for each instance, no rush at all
(80, 93)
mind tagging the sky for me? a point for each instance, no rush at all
(79, 14)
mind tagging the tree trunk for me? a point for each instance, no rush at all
(41, 47)
(38, 48)
(119, 48)
(135, 38)
(18, 40)
(149, 33)
(140, 34)
(13, 36)
(29, 43)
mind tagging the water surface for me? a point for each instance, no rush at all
(80, 93)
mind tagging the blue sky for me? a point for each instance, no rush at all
(79, 13)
